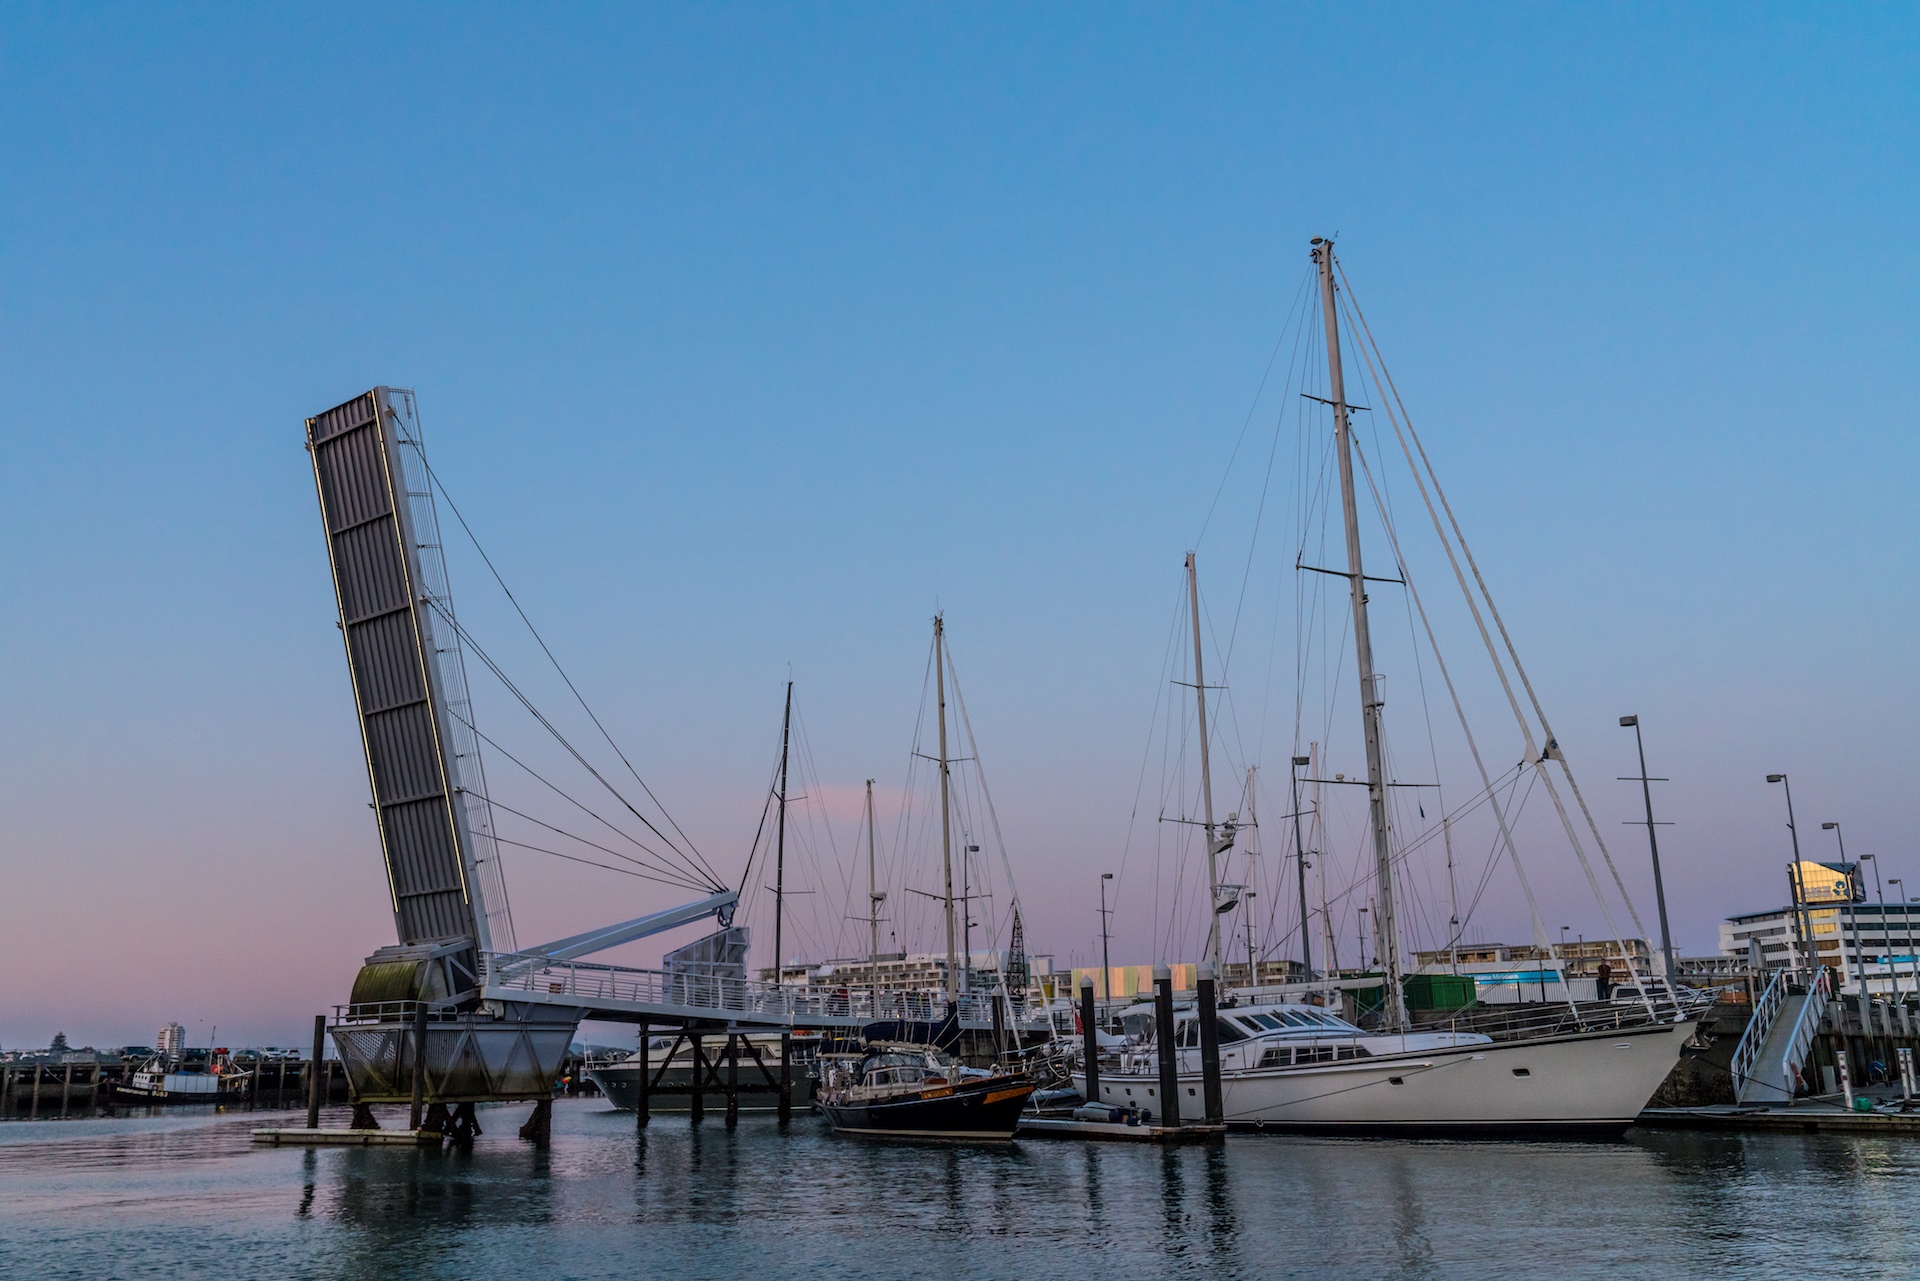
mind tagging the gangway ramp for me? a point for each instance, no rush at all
(1778, 1039)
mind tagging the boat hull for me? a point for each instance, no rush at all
(1590, 1084)
(976, 1110)
(160, 1096)
(620, 1082)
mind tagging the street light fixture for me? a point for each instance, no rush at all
(1906, 915)
(1802, 920)
(1853, 917)
(1653, 848)
(1886, 927)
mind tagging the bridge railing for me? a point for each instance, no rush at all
(730, 998)
(1806, 1026)
(1765, 1010)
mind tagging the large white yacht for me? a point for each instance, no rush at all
(1302, 1067)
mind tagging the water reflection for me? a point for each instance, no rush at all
(676, 1198)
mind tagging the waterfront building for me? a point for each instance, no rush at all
(171, 1039)
(915, 972)
(1233, 974)
(1516, 973)
(1858, 941)
(1123, 982)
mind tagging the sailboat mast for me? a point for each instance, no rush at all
(955, 979)
(780, 845)
(1387, 945)
(1300, 865)
(1206, 777)
(873, 911)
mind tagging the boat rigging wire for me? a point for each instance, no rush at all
(1499, 622)
(1305, 279)
(1552, 749)
(1535, 757)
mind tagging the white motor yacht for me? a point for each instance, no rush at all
(1301, 1067)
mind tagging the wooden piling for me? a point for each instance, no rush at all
(1210, 1049)
(1169, 1109)
(1089, 1038)
(34, 1114)
(733, 1080)
(697, 1105)
(419, 1065)
(314, 1086)
(643, 1105)
(786, 1076)
(66, 1091)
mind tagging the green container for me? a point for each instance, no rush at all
(1427, 993)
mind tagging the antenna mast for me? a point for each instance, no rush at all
(1206, 777)
(874, 899)
(956, 980)
(780, 845)
(1387, 944)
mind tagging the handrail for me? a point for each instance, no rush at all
(734, 998)
(1807, 1025)
(1765, 1011)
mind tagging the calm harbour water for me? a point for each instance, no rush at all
(187, 1195)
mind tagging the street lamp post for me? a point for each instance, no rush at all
(1802, 921)
(1853, 922)
(1886, 927)
(1106, 962)
(1906, 917)
(1653, 848)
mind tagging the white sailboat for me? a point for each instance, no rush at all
(1297, 1066)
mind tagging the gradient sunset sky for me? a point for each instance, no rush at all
(750, 335)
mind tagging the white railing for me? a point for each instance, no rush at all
(1765, 1010)
(1806, 1026)
(735, 999)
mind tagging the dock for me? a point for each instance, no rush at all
(1806, 1118)
(302, 1137)
(1060, 1127)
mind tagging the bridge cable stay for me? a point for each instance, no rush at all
(704, 876)
(692, 853)
(583, 808)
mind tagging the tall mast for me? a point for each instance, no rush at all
(1253, 821)
(1206, 777)
(956, 981)
(1387, 945)
(780, 845)
(1300, 862)
(1329, 940)
(873, 912)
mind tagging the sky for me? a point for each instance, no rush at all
(747, 337)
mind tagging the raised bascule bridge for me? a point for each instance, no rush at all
(456, 1013)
